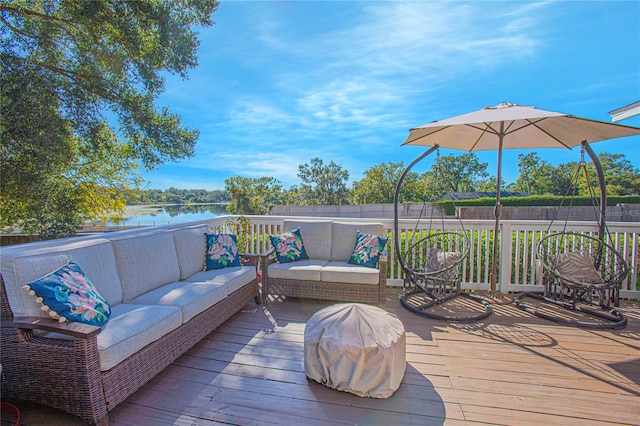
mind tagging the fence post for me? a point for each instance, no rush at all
(505, 253)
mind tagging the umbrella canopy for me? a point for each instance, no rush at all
(519, 127)
(511, 126)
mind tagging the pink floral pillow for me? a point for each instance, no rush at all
(289, 246)
(69, 295)
(222, 251)
(367, 250)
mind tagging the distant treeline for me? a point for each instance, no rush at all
(177, 196)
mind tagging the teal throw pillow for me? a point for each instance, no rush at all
(69, 295)
(367, 250)
(289, 246)
(222, 251)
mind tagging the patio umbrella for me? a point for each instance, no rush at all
(511, 126)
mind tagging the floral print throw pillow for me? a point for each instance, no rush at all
(222, 251)
(367, 250)
(289, 246)
(69, 295)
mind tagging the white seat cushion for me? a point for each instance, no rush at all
(131, 328)
(343, 272)
(233, 278)
(307, 270)
(192, 298)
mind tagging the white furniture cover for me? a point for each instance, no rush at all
(356, 348)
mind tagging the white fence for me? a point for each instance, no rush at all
(518, 266)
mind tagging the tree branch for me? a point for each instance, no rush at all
(31, 13)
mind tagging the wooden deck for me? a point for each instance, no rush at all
(509, 369)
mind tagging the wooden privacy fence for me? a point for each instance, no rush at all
(519, 269)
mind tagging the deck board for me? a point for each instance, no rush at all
(511, 368)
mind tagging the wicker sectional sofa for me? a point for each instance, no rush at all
(162, 303)
(327, 274)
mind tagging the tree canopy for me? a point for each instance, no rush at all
(454, 173)
(324, 185)
(379, 185)
(78, 88)
(251, 195)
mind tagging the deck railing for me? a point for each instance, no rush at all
(519, 269)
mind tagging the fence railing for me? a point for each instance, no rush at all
(519, 269)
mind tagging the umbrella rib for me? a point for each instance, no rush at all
(535, 124)
(483, 129)
(423, 136)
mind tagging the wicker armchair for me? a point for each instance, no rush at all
(325, 290)
(326, 274)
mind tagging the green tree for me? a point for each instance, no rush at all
(323, 185)
(536, 174)
(562, 180)
(291, 196)
(70, 69)
(489, 185)
(451, 173)
(620, 176)
(379, 185)
(252, 195)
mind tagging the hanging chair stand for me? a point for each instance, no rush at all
(579, 295)
(425, 288)
(432, 288)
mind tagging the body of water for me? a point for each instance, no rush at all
(154, 215)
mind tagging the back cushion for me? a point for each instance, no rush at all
(145, 262)
(190, 248)
(95, 257)
(316, 237)
(344, 237)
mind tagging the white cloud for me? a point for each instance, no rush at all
(362, 71)
(298, 80)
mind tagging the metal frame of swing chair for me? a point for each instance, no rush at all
(437, 286)
(569, 292)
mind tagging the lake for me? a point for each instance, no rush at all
(164, 214)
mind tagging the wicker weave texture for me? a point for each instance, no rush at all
(38, 369)
(344, 292)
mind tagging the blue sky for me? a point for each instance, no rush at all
(279, 83)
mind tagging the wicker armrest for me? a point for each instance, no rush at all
(268, 257)
(268, 252)
(73, 329)
(249, 259)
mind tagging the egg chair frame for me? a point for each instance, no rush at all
(425, 285)
(569, 280)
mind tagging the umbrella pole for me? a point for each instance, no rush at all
(603, 189)
(497, 213)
